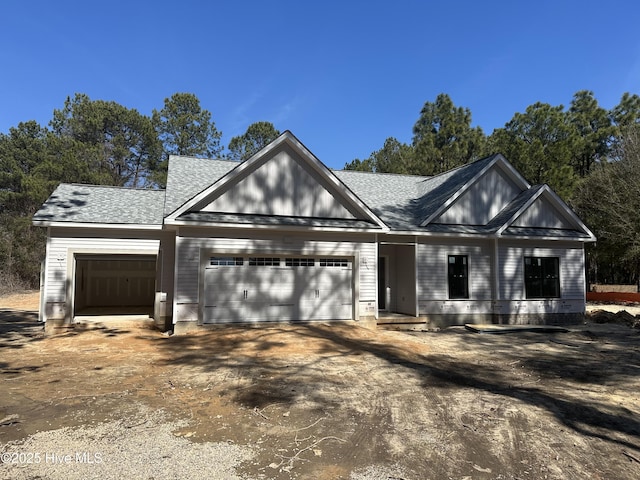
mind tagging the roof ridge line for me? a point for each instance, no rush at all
(119, 187)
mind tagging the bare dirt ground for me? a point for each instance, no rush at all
(333, 401)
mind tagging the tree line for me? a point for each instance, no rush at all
(103, 143)
(587, 154)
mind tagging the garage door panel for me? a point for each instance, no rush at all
(219, 294)
(225, 275)
(113, 281)
(225, 313)
(280, 312)
(256, 290)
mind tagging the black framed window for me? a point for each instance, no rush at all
(458, 273)
(542, 277)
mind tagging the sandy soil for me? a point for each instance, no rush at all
(28, 300)
(338, 401)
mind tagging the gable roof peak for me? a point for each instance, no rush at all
(323, 177)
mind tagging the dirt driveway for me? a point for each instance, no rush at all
(319, 402)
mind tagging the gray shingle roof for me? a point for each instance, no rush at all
(389, 196)
(188, 176)
(101, 204)
(402, 202)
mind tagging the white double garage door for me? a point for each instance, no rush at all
(272, 288)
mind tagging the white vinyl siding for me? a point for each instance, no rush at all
(433, 268)
(572, 286)
(483, 201)
(207, 243)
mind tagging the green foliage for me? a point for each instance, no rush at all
(22, 190)
(21, 251)
(257, 136)
(101, 142)
(117, 142)
(443, 137)
(184, 128)
(608, 200)
(96, 142)
(22, 151)
(594, 132)
(540, 144)
(627, 112)
(393, 157)
(366, 165)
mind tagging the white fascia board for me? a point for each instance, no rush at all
(484, 236)
(179, 223)
(119, 226)
(546, 238)
(442, 234)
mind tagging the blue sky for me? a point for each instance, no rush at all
(341, 75)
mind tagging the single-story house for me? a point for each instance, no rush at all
(281, 237)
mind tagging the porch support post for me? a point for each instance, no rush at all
(377, 259)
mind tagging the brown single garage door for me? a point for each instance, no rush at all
(115, 281)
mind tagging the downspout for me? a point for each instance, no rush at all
(176, 257)
(42, 314)
(496, 282)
